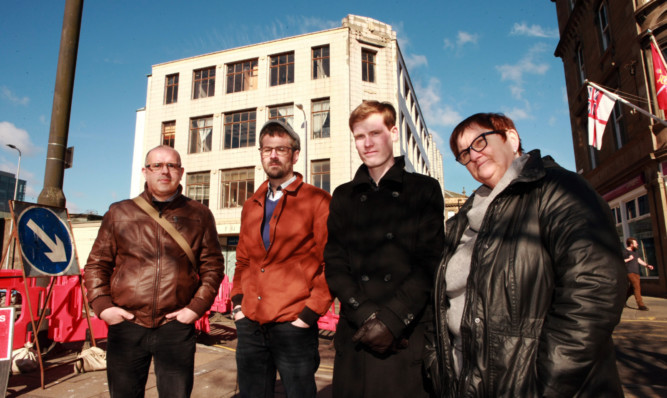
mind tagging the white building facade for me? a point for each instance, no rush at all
(210, 109)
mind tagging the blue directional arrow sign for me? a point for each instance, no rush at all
(46, 243)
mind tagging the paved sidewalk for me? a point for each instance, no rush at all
(641, 346)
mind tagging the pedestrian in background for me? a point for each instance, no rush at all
(632, 262)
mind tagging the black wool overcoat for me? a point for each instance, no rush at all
(384, 244)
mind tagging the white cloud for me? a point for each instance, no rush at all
(464, 37)
(527, 65)
(11, 97)
(415, 60)
(436, 113)
(522, 29)
(10, 134)
(519, 114)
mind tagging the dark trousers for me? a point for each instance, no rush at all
(262, 349)
(130, 348)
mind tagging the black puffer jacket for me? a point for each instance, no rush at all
(545, 291)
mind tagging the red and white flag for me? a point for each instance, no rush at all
(599, 108)
(660, 74)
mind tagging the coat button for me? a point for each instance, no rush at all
(259, 297)
(387, 277)
(395, 194)
(478, 321)
(353, 302)
(363, 198)
(390, 236)
(365, 278)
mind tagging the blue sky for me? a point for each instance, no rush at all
(463, 57)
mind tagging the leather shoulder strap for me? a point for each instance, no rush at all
(150, 210)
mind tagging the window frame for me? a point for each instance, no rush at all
(316, 113)
(321, 59)
(171, 89)
(250, 130)
(287, 118)
(226, 187)
(286, 67)
(368, 65)
(203, 86)
(246, 79)
(202, 188)
(168, 137)
(602, 16)
(200, 146)
(317, 176)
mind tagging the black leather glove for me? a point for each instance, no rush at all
(374, 334)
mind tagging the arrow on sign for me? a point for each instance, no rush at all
(57, 254)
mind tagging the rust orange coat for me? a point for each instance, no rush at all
(287, 280)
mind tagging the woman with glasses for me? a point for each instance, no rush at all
(532, 281)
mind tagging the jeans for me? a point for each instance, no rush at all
(263, 349)
(130, 348)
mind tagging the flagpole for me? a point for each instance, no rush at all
(624, 101)
(657, 47)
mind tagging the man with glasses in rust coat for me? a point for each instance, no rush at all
(279, 288)
(144, 285)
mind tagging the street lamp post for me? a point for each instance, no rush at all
(305, 143)
(11, 222)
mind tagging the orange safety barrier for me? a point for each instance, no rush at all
(223, 301)
(12, 280)
(67, 321)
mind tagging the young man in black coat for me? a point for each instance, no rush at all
(386, 234)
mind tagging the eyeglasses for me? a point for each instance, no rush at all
(478, 145)
(155, 167)
(280, 150)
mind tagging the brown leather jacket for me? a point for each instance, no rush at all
(136, 265)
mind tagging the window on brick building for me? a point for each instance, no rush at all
(240, 129)
(603, 25)
(282, 69)
(171, 89)
(320, 62)
(169, 133)
(203, 83)
(197, 186)
(581, 68)
(201, 132)
(242, 76)
(237, 186)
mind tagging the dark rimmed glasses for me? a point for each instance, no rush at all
(280, 150)
(155, 167)
(478, 145)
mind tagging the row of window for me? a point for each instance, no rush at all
(242, 76)
(240, 128)
(237, 185)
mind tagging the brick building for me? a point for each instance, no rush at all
(211, 107)
(607, 42)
